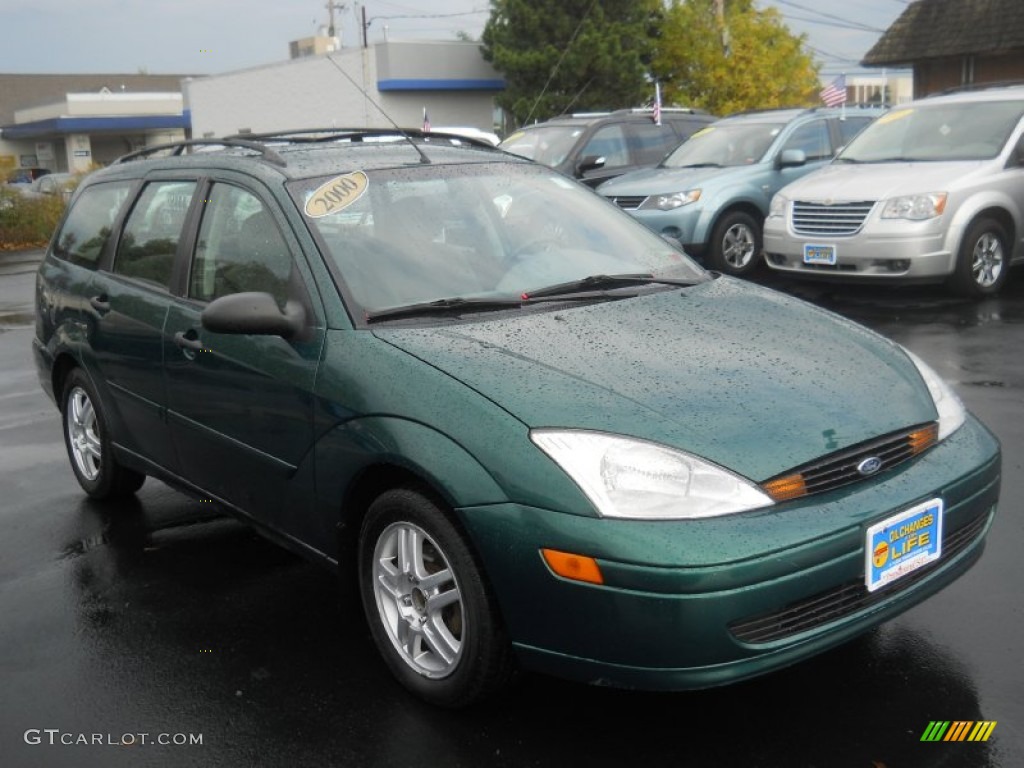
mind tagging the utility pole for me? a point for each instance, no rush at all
(331, 6)
(720, 18)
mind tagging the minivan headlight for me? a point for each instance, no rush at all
(672, 201)
(628, 478)
(777, 207)
(915, 207)
(951, 410)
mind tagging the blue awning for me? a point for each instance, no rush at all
(435, 84)
(63, 126)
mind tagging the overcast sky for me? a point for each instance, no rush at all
(213, 36)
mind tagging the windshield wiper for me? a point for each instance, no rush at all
(603, 282)
(697, 165)
(440, 307)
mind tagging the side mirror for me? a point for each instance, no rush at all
(791, 158)
(590, 163)
(253, 313)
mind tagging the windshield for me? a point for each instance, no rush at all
(722, 145)
(491, 230)
(961, 131)
(549, 144)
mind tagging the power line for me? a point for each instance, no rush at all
(853, 24)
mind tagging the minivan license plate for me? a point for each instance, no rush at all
(903, 543)
(819, 254)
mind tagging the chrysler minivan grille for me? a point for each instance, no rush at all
(819, 219)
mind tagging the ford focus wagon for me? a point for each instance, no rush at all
(533, 433)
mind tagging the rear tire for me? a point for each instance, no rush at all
(429, 610)
(89, 445)
(736, 244)
(983, 262)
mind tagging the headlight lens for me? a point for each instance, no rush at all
(777, 207)
(629, 478)
(915, 207)
(951, 410)
(673, 201)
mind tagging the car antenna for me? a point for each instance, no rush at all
(406, 136)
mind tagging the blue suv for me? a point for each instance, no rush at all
(712, 192)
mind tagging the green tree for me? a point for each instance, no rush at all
(759, 63)
(559, 56)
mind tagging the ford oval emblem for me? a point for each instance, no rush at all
(869, 466)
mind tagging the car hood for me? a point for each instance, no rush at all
(880, 181)
(746, 377)
(660, 181)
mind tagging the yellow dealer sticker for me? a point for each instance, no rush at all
(892, 117)
(336, 195)
(701, 132)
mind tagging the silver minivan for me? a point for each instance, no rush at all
(932, 191)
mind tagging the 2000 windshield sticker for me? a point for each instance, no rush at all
(336, 195)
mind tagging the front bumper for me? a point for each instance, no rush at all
(676, 592)
(897, 252)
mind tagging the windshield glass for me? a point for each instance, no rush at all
(725, 145)
(549, 144)
(490, 230)
(964, 131)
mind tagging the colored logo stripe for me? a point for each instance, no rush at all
(958, 730)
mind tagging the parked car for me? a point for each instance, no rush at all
(530, 430)
(597, 146)
(932, 192)
(712, 193)
(52, 185)
(25, 175)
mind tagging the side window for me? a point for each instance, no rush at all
(239, 249)
(850, 127)
(608, 142)
(151, 234)
(813, 139)
(87, 227)
(649, 142)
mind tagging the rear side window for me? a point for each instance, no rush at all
(87, 226)
(150, 240)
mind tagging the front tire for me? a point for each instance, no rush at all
(736, 244)
(89, 445)
(430, 613)
(983, 262)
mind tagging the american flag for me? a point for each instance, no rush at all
(426, 121)
(657, 104)
(834, 93)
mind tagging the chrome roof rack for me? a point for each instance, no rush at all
(177, 148)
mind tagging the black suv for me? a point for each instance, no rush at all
(595, 147)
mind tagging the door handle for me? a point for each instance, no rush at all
(189, 341)
(100, 303)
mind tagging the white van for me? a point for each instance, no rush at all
(932, 191)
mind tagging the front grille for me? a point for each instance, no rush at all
(818, 219)
(846, 599)
(844, 467)
(628, 202)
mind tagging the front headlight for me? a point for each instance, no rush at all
(630, 478)
(673, 201)
(915, 207)
(951, 411)
(777, 207)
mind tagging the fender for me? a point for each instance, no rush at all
(982, 199)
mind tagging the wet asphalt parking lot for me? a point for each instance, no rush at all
(160, 617)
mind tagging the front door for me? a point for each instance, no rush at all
(240, 407)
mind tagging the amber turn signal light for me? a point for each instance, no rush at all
(575, 567)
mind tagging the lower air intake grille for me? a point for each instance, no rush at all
(846, 599)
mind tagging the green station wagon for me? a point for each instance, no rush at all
(534, 433)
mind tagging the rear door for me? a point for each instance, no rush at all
(240, 407)
(129, 300)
